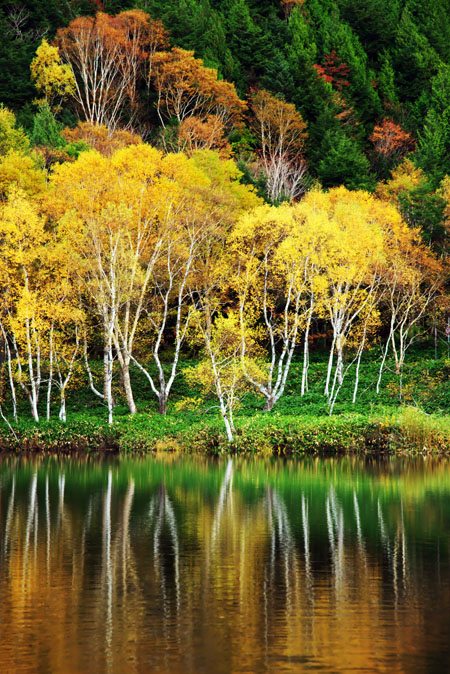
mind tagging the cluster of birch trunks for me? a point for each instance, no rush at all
(140, 256)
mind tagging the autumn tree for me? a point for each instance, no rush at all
(137, 221)
(334, 70)
(404, 178)
(390, 140)
(113, 223)
(281, 132)
(412, 279)
(196, 133)
(421, 205)
(12, 136)
(221, 371)
(18, 170)
(191, 268)
(53, 79)
(24, 311)
(109, 57)
(349, 254)
(272, 279)
(186, 88)
(100, 138)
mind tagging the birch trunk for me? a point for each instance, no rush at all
(50, 375)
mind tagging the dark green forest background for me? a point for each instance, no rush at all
(391, 59)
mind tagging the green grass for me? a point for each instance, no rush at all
(296, 425)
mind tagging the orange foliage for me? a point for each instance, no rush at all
(186, 88)
(100, 138)
(279, 125)
(282, 134)
(390, 139)
(288, 6)
(322, 74)
(109, 55)
(203, 134)
(346, 114)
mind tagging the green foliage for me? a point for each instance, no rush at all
(423, 207)
(298, 426)
(343, 162)
(397, 55)
(46, 130)
(433, 153)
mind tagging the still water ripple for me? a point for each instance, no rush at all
(198, 565)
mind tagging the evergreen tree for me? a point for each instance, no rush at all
(414, 60)
(343, 162)
(433, 152)
(374, 21)
(386, 80)
(341, 39)
(311, 93)
(46, 130)
(424, 208)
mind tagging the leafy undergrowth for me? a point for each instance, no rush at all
(276, 434)
(376, 422)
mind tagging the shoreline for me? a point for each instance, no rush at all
(275, 435)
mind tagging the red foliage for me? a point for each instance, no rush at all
(322, 74)
(334, 70)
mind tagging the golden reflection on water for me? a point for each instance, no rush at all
(221, 571)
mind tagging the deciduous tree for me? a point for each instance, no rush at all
(281, 132)
(109, 56)
(186, 88)
(53, 79)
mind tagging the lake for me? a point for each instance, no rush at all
(192, 564)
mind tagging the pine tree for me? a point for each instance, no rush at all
(433, 152)
(46, 130)
(414, 60)
(374, 21)
(343, 162)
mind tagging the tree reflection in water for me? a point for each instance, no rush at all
(196, 566)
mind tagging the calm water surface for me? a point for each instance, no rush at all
(199, 565)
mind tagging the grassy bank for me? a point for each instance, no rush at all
(375, 423)
(406, 430)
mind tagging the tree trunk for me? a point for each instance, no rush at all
(330, 367)
(227, 428)
(162, 408)
(383, 360)
(50, 381)
(34, 409)
(304, 386)
(269, 404)
(340, 365)
(108, 375)
(355, 390)
(62, 409)
(126, 382)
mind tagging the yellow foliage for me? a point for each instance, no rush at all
(20, 171)
(405, 177)
(53, 79)
(12, 138)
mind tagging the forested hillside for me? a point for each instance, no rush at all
(370, 79)
(243, 183)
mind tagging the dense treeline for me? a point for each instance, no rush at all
(235, 178)
(351, 70)
(138, 254)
